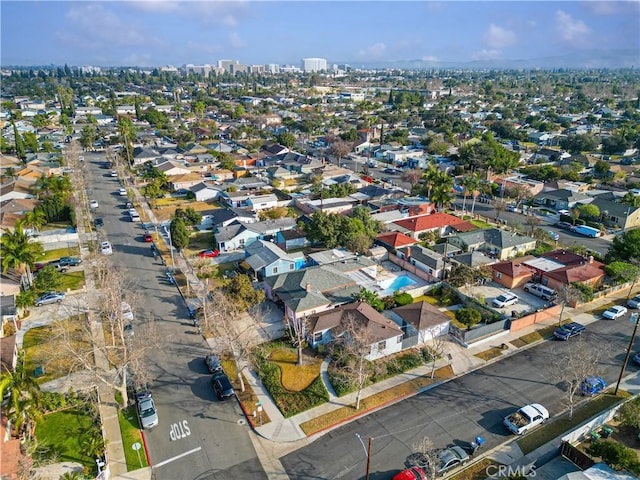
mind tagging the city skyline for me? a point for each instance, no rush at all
(380, 33)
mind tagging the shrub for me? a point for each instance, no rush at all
(629, 413)
(403, 299)
(615, 455)
(468, 316)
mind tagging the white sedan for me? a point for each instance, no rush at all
(614, 312)
(105, 248)
(122, 192)
(93, 204)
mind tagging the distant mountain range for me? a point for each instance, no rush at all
(584, 60)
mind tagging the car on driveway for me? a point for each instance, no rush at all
(592, 386)
(146, 408)
(222, 386)
(209, 253)
(526, 418)
(70, 261)
(105, 248)
(448, 458)
(564, 225)
(634, 302)
(125, 311)
(505, 299)
(614, 312)
(51, 297)
(565, 332)
(213, 363)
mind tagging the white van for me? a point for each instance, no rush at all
(540, 290)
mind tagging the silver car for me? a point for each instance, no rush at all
(634, 302)
(147, 413)
(51, 297)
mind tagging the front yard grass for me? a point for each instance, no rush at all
(477, 471)
(62, 435)
(248, 398)
(537, 335)
(480, 224)
(377, 400)
(51, 255)
(559, 426)
(130, 430)
(72, 281)
(296, 377)
(426, 298)
(199, 241)
(489, 354)
(43, 348)
(166, 207)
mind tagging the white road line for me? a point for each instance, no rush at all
(169, 460)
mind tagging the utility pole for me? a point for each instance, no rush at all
(634, 319)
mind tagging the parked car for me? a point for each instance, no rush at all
(146, 408)
(505, 299)
(147, 238)
(565, 332)
(553, 235)
(93, 204)
(592, 386)
(125, 311)
(105, 248)
(222, 386)
(634, 302)
(564, 225)
(70, 261)
(636, 358)
(128, 329)
(209, 253)
(448, 458)
(213, 363)
(114, 173)
(56, 264)
(564, 212)
(129, 205)
(413, 473)
(540, 290)
(614, 312)
(50, 297)
(514, 209)
(122, 192)
(526, 418)
(98, 222)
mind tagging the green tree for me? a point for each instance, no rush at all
(629, 413)
(48, 278)
(128, 134)
(179, 233)
(34, 220)
(189, 215)
(30, 140)
(460, 276)
(372, 298)
(622, 272)
(23, 396)
(589, 211)
(468, 316)
(286, 139)
(88, 136)
(602, 168)
(20, 150)
(624, 247)
(241, 292)
(18, 252)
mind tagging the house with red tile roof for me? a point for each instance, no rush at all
(591, 273)
(440, 222)
(395, 240)
(513, 273)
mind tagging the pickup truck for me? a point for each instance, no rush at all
(526, 418)
(565, 332)
(69, 261)
(56, 264)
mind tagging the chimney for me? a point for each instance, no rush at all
(408, 255)
(308, 287)
(590, 258)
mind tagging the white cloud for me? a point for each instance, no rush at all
(570, 29)
(613, 8)
(155, 6)
(430, 58)
(373, 52)
(498, 37)
(486, 54)
(235, 41)
(205, 12)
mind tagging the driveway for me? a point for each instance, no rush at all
(527, 302)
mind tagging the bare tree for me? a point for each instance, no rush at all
(533, 221)
(350, 349)
(297, 330)
(566, 295)
(436, 350)
(340, 149)
(499, 206)
(571, 365)
(425, 456)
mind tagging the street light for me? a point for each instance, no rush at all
(367, 452)
(634, 319)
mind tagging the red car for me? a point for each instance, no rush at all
(413, 473)
(148, 238)
(209, 253)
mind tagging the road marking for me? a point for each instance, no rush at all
(172, 459)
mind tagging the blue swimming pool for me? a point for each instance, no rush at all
(394, 284)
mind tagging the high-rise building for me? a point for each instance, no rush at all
(314, 64)
(226, 65)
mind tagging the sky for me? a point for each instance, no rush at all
(156, 32)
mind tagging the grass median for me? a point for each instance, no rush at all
(131, 435)
(342, 414)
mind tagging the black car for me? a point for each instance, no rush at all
(222, 386)
(565, 332)
(564, 225)
(213, 363)
(98, 222)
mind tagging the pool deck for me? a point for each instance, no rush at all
(389, 271)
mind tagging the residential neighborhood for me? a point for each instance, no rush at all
(326, 246)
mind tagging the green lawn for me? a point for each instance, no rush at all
(65, 433)
(131, 434)
(72, 281)
(480, 224)
(50, 255)
(41, 348)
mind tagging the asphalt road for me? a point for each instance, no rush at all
(198, 437)
(457, 411)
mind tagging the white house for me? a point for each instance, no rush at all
(234, 237)
(262, 202)
(204, 191)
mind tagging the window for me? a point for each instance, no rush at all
(399, 339)
(275, 270)
(498, 275)
(317, 336)
(291, 266)
(381, 345)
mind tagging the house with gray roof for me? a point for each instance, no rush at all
(562, 199)
(234, 237)
(262, 202)
(205, 191)
(420, 322)
(498, 243)
(248, 183)
(269, 228)
(266, 259)
(428, 261)
(142, 155)
(615, 213)
(383, 336)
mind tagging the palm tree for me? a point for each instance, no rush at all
(23, 395)
(472, 185)
(18, 252)
(428, 177)
(34, 220)
(441, 195)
